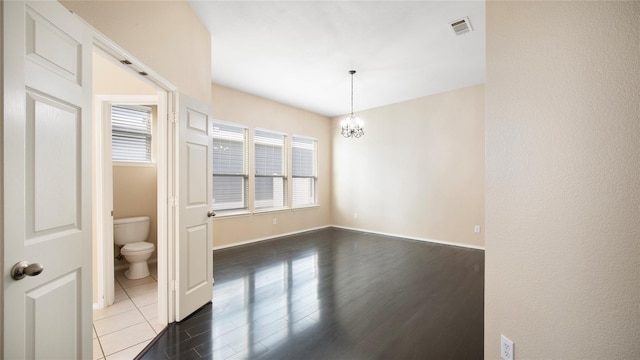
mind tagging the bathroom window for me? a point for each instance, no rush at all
(230, 175)
(270, 173)
(131, 133)
(304, 174)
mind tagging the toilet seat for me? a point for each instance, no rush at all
(136, 247)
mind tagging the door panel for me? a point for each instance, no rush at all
(198, 248)
(52, 168)
(197, 174)
(195, 242)
(52, 48)
(52, 314)
(47, 181)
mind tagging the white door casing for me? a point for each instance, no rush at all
(194, 256)
(103, 202)
(47, 181)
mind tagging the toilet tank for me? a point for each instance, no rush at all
(130, 230)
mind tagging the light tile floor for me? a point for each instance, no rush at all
(123, 329)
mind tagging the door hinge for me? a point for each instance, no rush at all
(174, 118)
(172, 285)
(172, 201)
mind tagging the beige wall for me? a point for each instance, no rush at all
(252, 111)
(165, 35)
(563, 188)
(111, 79)
(417, 172)
(134, 187)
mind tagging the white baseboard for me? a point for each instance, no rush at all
(441, 242)
(269, 237)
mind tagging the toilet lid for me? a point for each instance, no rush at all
(138, 246)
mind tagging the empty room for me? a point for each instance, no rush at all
(331, 179)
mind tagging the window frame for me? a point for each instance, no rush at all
(135, 105)
(314, 176)
(221, 212)
(283, 176)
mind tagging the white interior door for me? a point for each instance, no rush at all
(47, 181)
(194, 265)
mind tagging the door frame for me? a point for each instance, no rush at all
(103, 219)
(165, 163)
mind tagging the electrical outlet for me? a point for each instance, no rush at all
(476, 229)
(275, 221)
(506, 348)
(355, 215)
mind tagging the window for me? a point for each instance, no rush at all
(131, 133)
(230, 185)
(304, 172)
(270, 177)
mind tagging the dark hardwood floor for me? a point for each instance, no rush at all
(336, 294)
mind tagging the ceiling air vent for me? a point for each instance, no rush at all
(461, 26)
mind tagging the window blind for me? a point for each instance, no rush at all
(269, 162)
(130, 133)
(230, 185)
(303, 171)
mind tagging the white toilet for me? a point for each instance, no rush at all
(132, 233)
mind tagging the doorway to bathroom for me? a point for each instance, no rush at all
(184, 187)
(129, 114)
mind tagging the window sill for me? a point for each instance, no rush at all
(236, 213)
(269, 210)
(133, 164)
(230, 213)
(306, 207)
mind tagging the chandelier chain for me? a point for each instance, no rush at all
(352, 72)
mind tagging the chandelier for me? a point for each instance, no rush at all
(352, 126)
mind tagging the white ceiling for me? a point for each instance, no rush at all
(300, 52)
